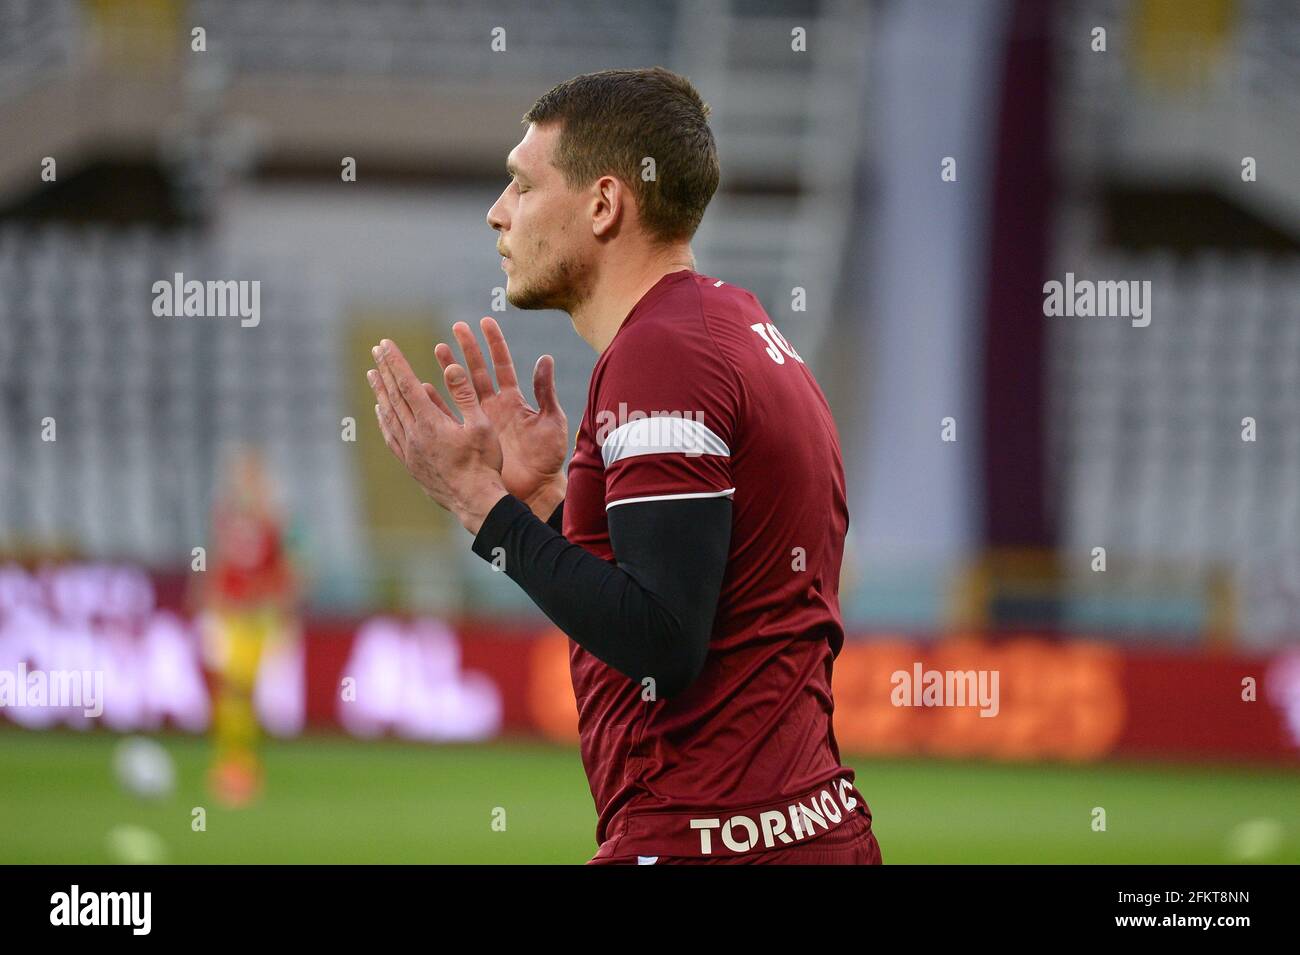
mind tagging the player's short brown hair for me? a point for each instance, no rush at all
(613, 119)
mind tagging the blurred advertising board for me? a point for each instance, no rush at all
(85, 645)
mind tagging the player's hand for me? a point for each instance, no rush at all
(533, 440)
(457, 463)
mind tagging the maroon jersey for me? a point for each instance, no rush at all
(698, 395)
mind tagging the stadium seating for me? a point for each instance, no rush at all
(1148, 449)
(144, 406)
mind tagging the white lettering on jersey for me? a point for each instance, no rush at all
(774, 340)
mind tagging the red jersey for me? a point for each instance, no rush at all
(251, 566)
(699, 395)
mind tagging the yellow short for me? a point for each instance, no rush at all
(242, 636)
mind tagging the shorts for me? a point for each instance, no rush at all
(851, 843)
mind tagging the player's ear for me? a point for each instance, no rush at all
(608, 202)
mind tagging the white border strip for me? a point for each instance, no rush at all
(661, 435)
(671, 497)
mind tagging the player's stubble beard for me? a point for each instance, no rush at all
(563, 284)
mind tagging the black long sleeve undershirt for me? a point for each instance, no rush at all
(651, 613)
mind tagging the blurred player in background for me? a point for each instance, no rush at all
(250, 596)
(692, 553)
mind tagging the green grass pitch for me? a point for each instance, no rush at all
(335, 800)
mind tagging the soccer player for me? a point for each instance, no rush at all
(251, 597)
(692, 553)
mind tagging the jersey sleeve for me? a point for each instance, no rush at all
(665, 415)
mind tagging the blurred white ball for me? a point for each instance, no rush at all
(144, 768)
(135, 845)
(1254, 840)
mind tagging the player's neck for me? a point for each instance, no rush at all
(598, 319)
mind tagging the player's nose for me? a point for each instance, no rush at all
(496, 216)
